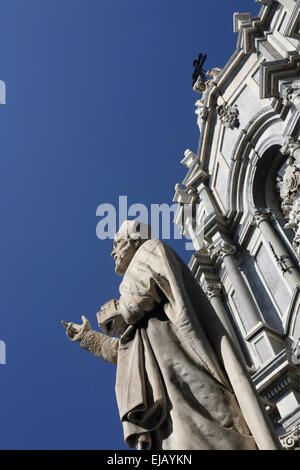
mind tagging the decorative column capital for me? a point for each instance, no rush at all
(212, 289)
(258, 215)
(290, 145)
(224, 248)
(291, 439)
(228, 115)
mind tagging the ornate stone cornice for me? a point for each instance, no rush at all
(275, 71)
(212, 289)
(289, 379)
(241, 19)
(258, 215)
(291, 440)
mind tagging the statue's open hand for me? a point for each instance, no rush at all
(76, 332)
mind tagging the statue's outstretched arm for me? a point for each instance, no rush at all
(97, 343)
(100, 345)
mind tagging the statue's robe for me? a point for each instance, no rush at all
(179, 376)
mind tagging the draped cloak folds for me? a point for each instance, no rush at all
(179, 376)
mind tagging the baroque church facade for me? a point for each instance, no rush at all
(243, 185)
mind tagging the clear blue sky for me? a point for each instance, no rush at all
(99, 104)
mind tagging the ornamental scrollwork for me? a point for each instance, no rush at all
(290, 441)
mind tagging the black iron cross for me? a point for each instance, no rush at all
(199, 72)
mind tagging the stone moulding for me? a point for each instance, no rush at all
(274, 72)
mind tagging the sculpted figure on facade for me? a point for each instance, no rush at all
(291, 95)
(201, 111)
(229, 115)
(204, 81)
(180, 383)
(290, 190)
(212, 74)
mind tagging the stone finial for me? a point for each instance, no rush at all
(212, 289)
(228, 115)
(258, 215)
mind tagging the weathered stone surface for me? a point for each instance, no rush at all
(180, 384)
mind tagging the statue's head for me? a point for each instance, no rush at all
(131, 235)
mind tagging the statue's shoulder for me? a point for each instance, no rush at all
(149, 248)
(152, 245)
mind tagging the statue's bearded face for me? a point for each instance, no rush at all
(123, 252)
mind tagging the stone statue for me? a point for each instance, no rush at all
(180, 384)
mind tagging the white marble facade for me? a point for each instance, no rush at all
(246, 176)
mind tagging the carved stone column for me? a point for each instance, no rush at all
(213, 291)
(260, 218)
(224, 252)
